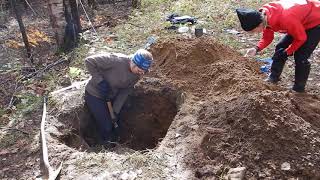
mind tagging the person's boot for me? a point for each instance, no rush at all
(272, 79)
(301, 77)
(108, 140)
(276, 70)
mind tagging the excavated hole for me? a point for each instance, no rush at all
(146, 117)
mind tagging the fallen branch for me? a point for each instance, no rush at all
(97, 26)
(135, 25)
(75, 85)
(60, 61)
(34, 10)
(12, 97)
(47, 171)
(15, 129)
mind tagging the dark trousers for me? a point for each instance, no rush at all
(301, 56)
(99, 109)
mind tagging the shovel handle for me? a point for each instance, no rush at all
(113, 116)
(111, 110)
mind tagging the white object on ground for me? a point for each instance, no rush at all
(183, 29)
(236, 173)
(285, 166)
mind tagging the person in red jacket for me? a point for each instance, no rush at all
(299, 20)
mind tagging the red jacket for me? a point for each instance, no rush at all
(293, 17)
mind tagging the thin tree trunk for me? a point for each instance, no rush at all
(136, 3)
(73, 27)
(22, 29)
(65, 21)
(58, 21)
(75, 14)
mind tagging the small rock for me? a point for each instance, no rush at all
(232, 31)
(152, 81)
(177, 135)
(236, 173)
(124, 176)
(262, 175)
(183, 29)
(285, 166)
(205, 171)
(128, 176)
(310, 164)
(84, 177)
(139, 171)
(92, 50)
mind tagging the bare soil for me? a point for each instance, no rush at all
(202, 110)
(243, 121)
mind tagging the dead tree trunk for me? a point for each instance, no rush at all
(73, 27)
(65, 21)
(136, 3)
(58, 21)
(22, 29)
(74, 6)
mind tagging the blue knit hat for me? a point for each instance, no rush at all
(141, 61)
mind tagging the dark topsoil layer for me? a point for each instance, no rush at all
(244, 121)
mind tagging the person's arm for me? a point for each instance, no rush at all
(267, 38)
(121, 99)
(122, 96)
(97, 63)
(297, 31)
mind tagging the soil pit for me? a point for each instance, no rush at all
(231, 118)
(144, 121)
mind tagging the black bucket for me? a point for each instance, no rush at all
(198, 32)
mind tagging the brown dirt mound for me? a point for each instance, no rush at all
(244, 122)
(204, 67)
(261, 131)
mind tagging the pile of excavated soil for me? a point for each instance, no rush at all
(204, 67)
(243, 121)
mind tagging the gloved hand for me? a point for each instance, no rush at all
(117, 130)
(251, 52)
(281, 54)
(116, 120)
(104, 88)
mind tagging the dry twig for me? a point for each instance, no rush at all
(60, 61)
(14, 129)
(47, 171)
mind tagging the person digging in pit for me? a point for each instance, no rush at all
(299, 20)
(113, 78)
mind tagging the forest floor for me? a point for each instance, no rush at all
(202, 111)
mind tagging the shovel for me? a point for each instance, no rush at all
(151, 40)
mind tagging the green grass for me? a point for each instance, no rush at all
(11, 138)
(149, 20)
(28, 103)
